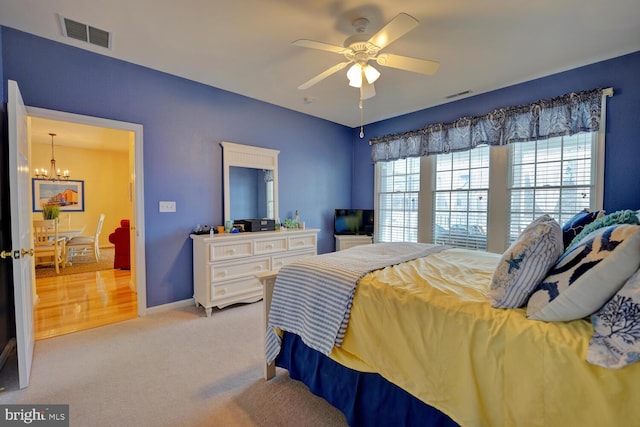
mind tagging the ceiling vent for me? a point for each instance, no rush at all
(456, 95)
(86, 33)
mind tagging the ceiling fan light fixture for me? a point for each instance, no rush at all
(371, 73)
(355, 75)
(357, 71)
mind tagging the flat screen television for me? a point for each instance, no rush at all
(353, 222)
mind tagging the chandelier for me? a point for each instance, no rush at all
(53, 173)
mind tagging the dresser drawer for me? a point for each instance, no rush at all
(230, 270)
(229, 288)
(230, 250)
(267, 246)
(278, 261)
(302, 242)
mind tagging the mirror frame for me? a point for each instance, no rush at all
(248, 156)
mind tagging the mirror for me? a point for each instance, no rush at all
(250, 181)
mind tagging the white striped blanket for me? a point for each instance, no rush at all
(312, 297)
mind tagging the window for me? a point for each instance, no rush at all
(558, 176)
(553, 176)
(484, 197)
(397, 191)
(460, 198)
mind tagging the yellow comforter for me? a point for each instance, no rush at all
(427, 327)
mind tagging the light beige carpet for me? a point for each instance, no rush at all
(80, 264)
(176, 368)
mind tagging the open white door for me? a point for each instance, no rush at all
(132, 221)
(20, 230)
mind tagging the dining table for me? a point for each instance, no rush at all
(69, 232)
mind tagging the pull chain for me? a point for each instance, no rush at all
(361, 114)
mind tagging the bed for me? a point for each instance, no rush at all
(425, 343)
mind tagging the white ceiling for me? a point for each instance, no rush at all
(245, 46)
(78, 136)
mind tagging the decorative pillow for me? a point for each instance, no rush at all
(586, 276)
(616, 340)
(574, 226)
(618, 217)
(526, 262)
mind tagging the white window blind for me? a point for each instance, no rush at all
(554, 176)
(460, 198)
(398, 187)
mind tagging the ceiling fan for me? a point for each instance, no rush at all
(362, 47)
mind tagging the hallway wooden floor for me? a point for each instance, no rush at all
(81, 301)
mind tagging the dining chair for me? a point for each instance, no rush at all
(84, 243)
(48, 246)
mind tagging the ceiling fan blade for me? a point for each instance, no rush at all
(416, 65)
(367, 90)
(319, 45)
(396, 28)
(324, 75)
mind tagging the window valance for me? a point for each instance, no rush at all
(564, 115)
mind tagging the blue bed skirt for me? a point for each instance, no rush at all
(366, 399)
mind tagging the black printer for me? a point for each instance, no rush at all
(258, 224)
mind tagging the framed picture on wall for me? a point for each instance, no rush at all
(68, 194)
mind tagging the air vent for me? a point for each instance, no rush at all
(455, 95)
(86, 33)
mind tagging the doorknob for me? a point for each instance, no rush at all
(15, 254)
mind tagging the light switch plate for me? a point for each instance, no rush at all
(166, 206)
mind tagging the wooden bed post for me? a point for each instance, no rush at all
(268, 280)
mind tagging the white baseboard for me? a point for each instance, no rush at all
(170, 306)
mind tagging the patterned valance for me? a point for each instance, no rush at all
(547, 118)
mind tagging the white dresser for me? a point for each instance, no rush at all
(224, 266)
(346, 241)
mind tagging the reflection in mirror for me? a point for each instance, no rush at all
(250, 182)
(252, 193)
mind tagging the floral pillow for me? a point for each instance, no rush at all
(587, 275)
(574, 226)
(616, 340)
(526, 263)
(619, 217)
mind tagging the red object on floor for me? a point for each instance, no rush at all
(120, 238)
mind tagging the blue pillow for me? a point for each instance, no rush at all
(587, 275)
(616, 339)
(574, 226)
(619, 217)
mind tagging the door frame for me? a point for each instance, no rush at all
(138, 184)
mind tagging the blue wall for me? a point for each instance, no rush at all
(622, 157)
(183, 124)
(318, 171)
